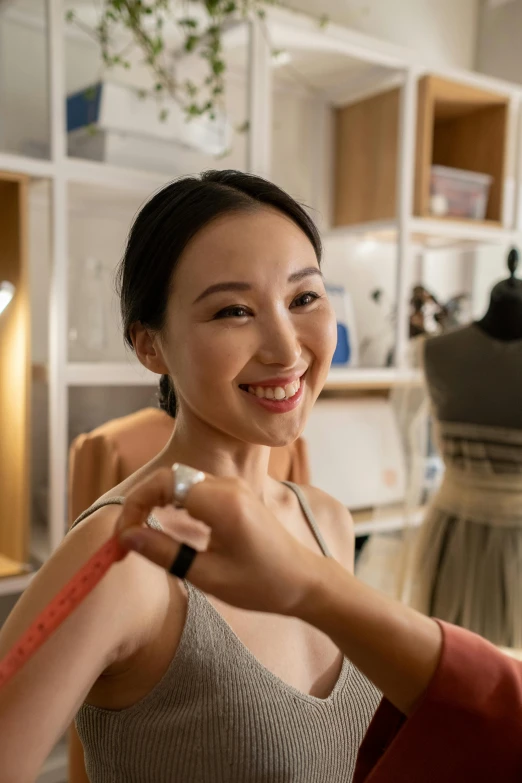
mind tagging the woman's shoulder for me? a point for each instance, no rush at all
(91, 533)
(134, 581)
(109, 505)
(136, 587)
(110, 620)
(334, 521)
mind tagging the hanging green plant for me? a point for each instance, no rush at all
(201, 25)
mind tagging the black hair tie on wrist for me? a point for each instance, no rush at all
(183, 561)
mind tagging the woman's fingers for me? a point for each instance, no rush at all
(178, 524)
(205, 501)
(252, 561)
(221, 503)
(157, 490)
(152, 544)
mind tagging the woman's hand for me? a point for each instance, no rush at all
(254, 563)
(251, 561)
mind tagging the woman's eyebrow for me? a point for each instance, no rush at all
(218, 287)
(310, 270)
(237, 286)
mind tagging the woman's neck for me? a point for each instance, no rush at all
(196, 443)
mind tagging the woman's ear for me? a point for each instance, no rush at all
(147, 346)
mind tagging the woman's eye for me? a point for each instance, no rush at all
(232, 312)
(305, 299)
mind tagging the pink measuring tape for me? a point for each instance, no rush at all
(61, 606)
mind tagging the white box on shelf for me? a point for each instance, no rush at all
(121, 111)
(123, 149)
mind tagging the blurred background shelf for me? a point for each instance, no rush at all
(55, 768)
(388, 520)
(368, 379)
(109, 374)
(14, 577)
(107, 175)
(431, 232)
(133, 374)
(22, 164)
(9, 567)
(100, 374)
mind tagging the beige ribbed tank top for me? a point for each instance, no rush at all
(219, 716)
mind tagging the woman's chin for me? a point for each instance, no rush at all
(283, 435)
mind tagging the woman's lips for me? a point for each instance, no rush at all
(293, 394)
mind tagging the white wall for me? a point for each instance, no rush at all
(441, 31)
(361, 268)
(490, 267)
(499, 54)
(498, 47)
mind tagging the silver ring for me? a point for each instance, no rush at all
(184, 479)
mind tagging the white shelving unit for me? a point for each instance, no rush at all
(132, 373)
(109, 374)
(372, 378)
(11, 585)
(430, 233)
(336, 65)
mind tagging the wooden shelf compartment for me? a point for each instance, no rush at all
(10, 567)
(458, 126)
(366, 143)
(464, 128)
(15, 371)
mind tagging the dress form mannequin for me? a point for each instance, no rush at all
(469, 550)
(503, 320)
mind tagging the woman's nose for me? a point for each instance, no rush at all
(280, 343)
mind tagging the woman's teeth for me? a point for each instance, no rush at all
(276, 392)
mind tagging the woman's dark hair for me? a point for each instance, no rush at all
(164, 227)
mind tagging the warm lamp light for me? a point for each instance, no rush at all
(7, 291)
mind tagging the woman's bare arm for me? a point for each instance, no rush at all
(369, 628)
(397, 648)
(37, 706)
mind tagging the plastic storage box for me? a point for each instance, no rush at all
(111, 122)
(457, 193)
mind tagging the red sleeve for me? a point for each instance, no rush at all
(467, 727)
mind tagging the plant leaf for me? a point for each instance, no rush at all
(191, 42)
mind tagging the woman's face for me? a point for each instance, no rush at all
(249, 333)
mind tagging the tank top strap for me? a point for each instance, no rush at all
(309, 516)
(154, 523)
(114, 501)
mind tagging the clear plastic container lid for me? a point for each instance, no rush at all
(470, 176)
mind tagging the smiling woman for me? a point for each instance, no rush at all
(221, 295)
